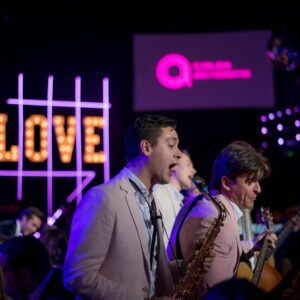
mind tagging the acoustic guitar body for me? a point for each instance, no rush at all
(269, 278)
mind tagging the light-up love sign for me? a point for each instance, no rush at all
(67, 135)
(65, 139)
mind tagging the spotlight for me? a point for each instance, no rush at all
(288, 111)
(279, 127)
(264, 130)
(280, 141)
(279, 114)
(263, 118)
(271, 116)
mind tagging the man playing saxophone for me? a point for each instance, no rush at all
(236, 174)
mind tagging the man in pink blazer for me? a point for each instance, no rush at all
(116, 250)
(235, 184)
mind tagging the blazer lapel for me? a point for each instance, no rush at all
(235, 225)
(137, 218)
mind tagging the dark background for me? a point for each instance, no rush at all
(93, 39)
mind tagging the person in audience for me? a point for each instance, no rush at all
(27, 271)
(56, 242)
(28, 222)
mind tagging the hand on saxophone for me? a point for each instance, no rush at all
(209, 258)
(208, 262)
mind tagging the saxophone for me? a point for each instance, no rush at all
(186, 288)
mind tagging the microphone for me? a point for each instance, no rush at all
(200, 184)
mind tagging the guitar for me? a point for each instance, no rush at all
(287, 229)
(268, 220)
(264, 276)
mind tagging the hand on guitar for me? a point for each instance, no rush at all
(269, 236)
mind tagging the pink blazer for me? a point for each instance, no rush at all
(108, 256)
(227, 248)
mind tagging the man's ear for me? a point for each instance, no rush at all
(225, 183)
(145, 147)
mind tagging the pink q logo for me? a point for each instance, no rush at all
(173, 82)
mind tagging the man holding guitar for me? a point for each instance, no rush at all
(235, 179)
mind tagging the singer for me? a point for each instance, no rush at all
(116, 249)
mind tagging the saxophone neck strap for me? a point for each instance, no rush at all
(178, 247)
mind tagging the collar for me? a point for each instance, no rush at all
(236, 210)
(238, 213)
(138, 182)
(177, 195)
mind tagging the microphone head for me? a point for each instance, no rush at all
(200, 184)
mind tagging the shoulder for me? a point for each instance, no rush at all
(114, 184)
(106, 195)
(204, 209)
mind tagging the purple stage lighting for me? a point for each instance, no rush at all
(280, 141)
(288, 111)
(271, 116)
(279, 127)
(279, 114)
(264, 130)
(263, 118)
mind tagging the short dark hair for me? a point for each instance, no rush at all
(26, 252)
(30, 212)
(147, 127)
(56, 242)
(237, 159)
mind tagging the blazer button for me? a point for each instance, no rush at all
(145, 289)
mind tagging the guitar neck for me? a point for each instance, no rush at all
(260, 263)
(288, 228)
